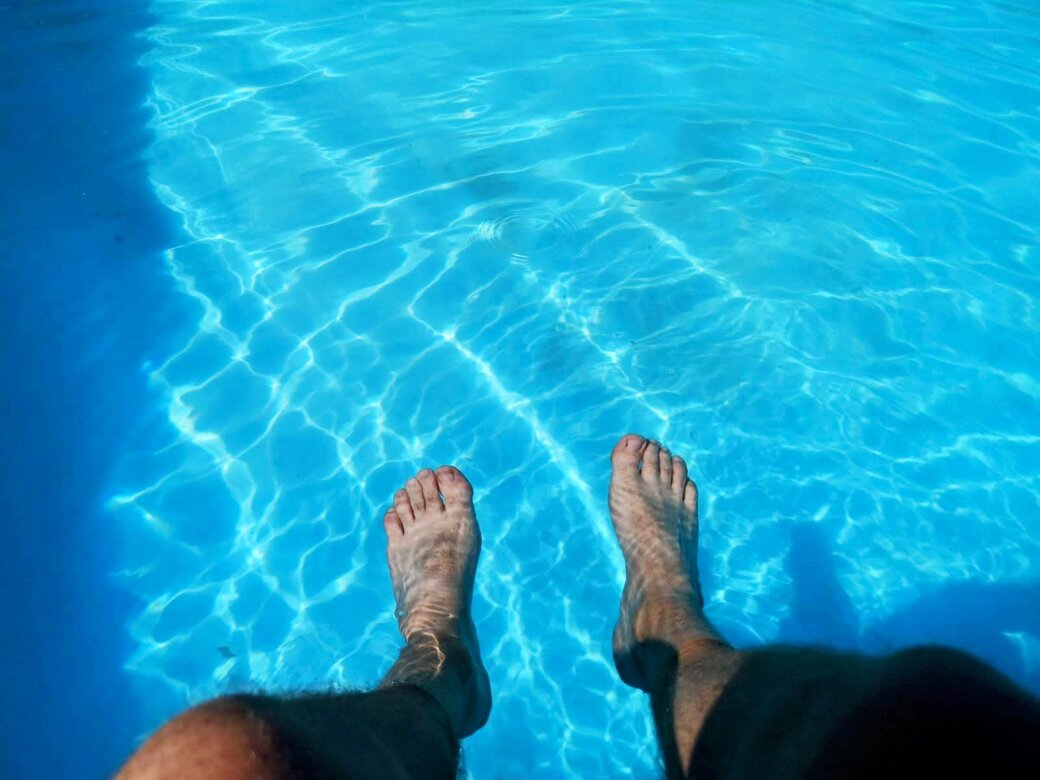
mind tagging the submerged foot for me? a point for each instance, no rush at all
(654, 508)
(433, 543)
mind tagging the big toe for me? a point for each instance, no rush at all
(454, 486)
(627, 452)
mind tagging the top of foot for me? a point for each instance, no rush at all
(433, 543)
(653, 504)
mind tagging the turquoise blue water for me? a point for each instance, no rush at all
(796, 241)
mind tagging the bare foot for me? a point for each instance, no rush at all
(433, 543)
(654, 508)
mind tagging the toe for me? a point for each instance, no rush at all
(392, 524)
(431, 494)
(652, 461)
(403, 507)
(625, 455)
(415, 495)
(454, 486)
(690, 496)
(678, 473)
(666, 466)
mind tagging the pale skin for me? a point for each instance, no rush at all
(663, 644)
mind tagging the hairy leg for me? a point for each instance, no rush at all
(219, 739)
(435, 693)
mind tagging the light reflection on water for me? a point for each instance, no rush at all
(793, 241)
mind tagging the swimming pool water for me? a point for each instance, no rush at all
(797, 241)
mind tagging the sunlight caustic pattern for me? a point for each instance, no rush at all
(419, 233)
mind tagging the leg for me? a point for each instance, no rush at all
(436, 693)
(788, 712)
(663, 643)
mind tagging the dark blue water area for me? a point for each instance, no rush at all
(84, 302)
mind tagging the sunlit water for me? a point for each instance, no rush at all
(796, 241)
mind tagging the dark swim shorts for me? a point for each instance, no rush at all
(921, 713)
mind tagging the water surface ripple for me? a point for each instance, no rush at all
(795, 240)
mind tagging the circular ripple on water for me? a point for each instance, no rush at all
(541, 232)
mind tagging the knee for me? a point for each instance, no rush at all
(224, 739)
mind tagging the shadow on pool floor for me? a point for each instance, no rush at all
(996, 621)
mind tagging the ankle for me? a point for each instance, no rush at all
(677, 591)
(442, 624)
(462, 689)
(670, 618)
(448, 668)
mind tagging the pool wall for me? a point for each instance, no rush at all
(83, 304)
